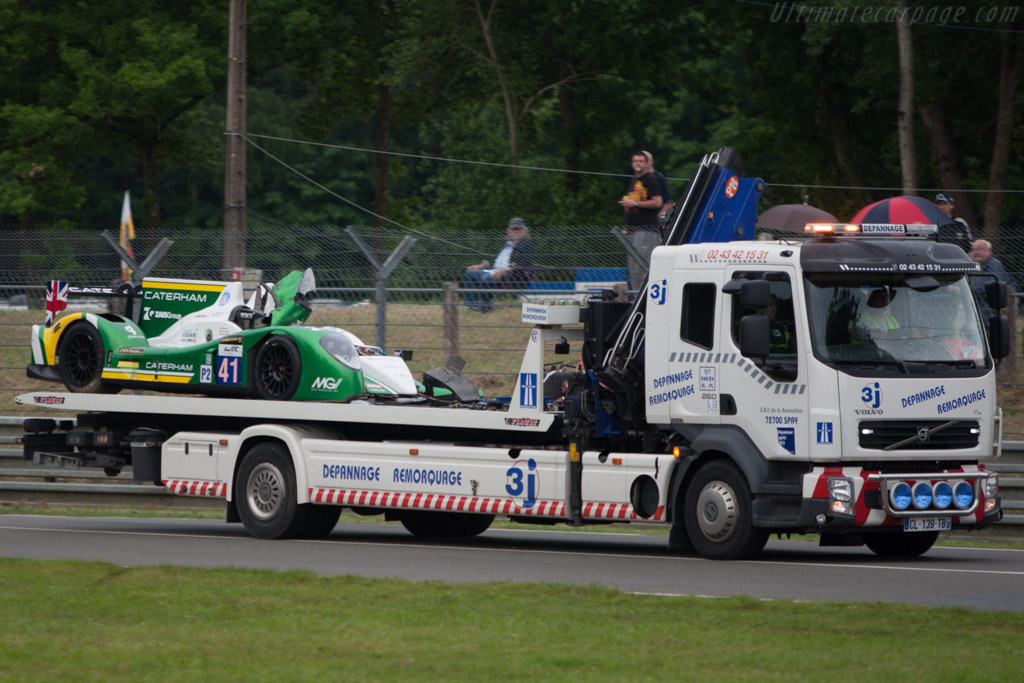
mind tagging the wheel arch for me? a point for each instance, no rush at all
(290, 437)
(712, 442)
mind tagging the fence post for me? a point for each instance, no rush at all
(451, 323)
(383, 272)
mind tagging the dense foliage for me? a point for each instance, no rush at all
(549, 97)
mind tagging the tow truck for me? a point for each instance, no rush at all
(749, 390)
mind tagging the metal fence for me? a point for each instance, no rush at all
(386, 286)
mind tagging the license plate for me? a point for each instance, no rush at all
(927, 523)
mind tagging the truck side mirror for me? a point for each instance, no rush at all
(755, 294)
(999, 334)
(755, 335)
(996, 294)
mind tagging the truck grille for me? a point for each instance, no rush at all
(918, 434)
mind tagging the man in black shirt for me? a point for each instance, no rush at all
(641, 202)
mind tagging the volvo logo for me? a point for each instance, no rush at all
(922, 433)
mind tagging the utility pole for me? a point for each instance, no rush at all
(234, 158)
(905, 109)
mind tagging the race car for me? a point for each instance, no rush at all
(200, 337)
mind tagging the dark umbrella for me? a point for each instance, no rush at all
(793, 217)
(902, 211)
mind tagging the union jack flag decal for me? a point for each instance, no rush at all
(56, 298)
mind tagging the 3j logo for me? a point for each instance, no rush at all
(658, 291)
(871, 395)
(522, 481)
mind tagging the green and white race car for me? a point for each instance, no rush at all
(200, 337)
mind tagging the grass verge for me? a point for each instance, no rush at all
(96, 621)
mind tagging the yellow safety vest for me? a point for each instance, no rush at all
(889, 321)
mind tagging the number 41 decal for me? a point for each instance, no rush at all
(229, 370)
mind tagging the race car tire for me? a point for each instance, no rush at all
(278, 369)
(80, 360)
(266, 494)
(901, 544)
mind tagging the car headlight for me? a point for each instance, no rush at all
(342, 350)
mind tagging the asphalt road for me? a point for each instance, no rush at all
(968, 577)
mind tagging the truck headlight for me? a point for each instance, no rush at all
(963, 495)
(840, 489)
(840, 493)
(901, 496)
(943, 495)
(922, 495)
(991, 485)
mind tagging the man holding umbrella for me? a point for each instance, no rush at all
(914, 211)
(957, 231)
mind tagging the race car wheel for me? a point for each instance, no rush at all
(80, 360)
(265, 494)
(719, 513)
(901, 544)
(277, 369)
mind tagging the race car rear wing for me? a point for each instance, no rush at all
(58, 291)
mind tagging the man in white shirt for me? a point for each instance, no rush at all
(512, 266)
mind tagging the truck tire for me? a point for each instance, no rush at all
(322, 521)
(81, 360)
(277, 369)
(900, 544)
(476, 525)
(679, 538)
(718, 513)
(266, 494)
(445, 524)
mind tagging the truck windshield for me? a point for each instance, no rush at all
(885, 321)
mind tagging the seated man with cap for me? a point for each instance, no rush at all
(513, 266)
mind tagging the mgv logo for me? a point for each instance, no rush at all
(326, 384)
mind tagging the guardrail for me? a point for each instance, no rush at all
(82, 487)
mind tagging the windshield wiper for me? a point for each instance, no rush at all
(868, 363)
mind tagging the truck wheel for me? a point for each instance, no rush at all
(899, 544)
(277, 369)
(81, 360)
(266, 494)
(445, 524)
(322, 521)
(679, 538)
(476, 525)
(718, 514)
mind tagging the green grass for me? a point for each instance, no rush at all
(96, 621)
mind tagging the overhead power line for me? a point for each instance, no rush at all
(572, 171)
